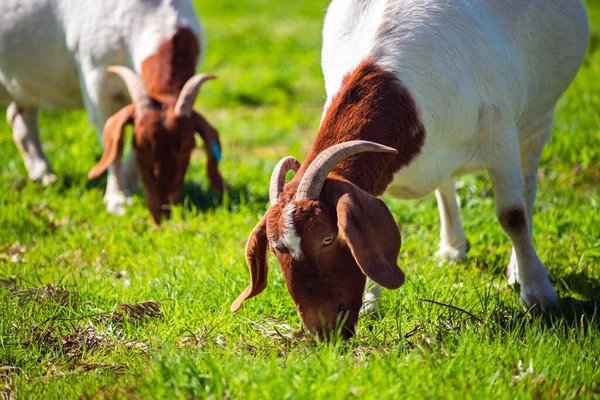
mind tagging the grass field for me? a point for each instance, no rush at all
(72, 277)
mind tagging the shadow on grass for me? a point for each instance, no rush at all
(582, 313)
(571, 316)
(99, 183)
(205, 199)
(192, 194)
(202, 198)
(62, 184)
(580, 283)
(574, 312)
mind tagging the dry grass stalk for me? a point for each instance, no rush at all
(78, 369)
(48, 215)
(149, 309)
(58, 294)
(272, 328)
(475, 317)
(86, 367)
(7, 389)
(200, 338)
(84, 339)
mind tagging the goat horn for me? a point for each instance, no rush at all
(278, 177)
(135, 86)
(187, 97)
(313, 180)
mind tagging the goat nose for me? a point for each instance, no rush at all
(165, 211)
(161, 213)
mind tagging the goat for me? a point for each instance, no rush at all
(70, 54)
(418, 92)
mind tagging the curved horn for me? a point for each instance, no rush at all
(187, 97)
(313, 180)
(278, 177)
(135, 86)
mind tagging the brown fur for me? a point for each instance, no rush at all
(513, 220)
(163, 141)
(112, 139)
(165, 72)
(309, 280)
(328, 281)
(372, 105)
(256, 256)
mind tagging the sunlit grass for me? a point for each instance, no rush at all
(66, 342)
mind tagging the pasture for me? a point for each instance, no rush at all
(95, 306)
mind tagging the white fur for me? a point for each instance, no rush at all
(53, 55)
(486, 76)
(290, 237)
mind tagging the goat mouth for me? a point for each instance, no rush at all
(160, 213)
(343, 323)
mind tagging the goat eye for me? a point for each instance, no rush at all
(327, 241)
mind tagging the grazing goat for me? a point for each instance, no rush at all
(418, 92)
(61, 54)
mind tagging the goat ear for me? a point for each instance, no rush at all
(256, 257)
(212, 146)
(112, 139)
(369, 229)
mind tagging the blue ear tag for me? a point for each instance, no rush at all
(216, 151)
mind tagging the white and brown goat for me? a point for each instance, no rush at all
(418, 92)
(61, 54)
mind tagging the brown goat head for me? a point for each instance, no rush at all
(163, 140)
(328, 236)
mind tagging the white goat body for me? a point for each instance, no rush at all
(485, 76)
(54, 54)
(48, 48)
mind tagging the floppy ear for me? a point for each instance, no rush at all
(212, 146)
(369, 229)
(112, 139)
(256, 257)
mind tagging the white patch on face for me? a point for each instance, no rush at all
(290, 236)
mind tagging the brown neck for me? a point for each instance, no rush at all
(165, 72)
(372, 105)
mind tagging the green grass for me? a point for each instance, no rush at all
(68, 343)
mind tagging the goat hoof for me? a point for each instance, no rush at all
(116, 202)
(539, 296)
(48, 179)
(452, 254)
(41, 172)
